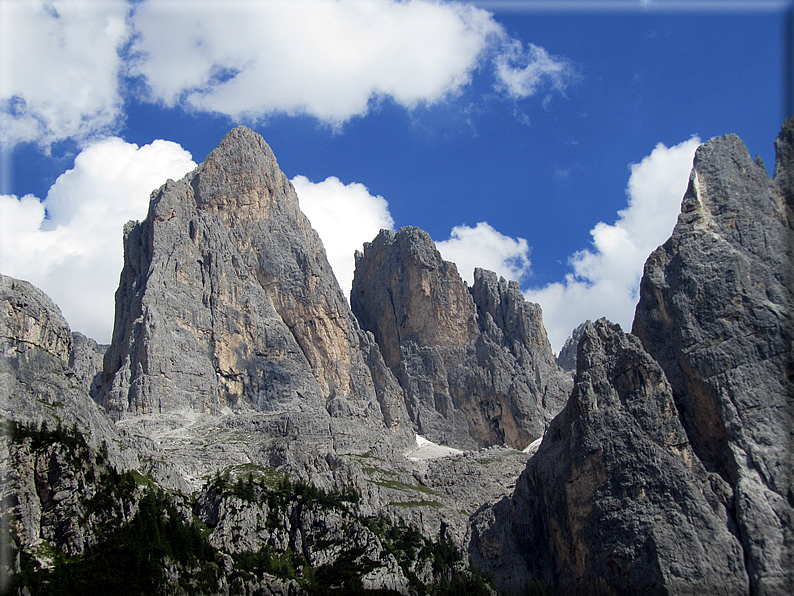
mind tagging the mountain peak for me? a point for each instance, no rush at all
(241, 179)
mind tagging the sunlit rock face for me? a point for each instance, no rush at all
(37, 382)
(716, 312)
(227, 303)
(475, 363)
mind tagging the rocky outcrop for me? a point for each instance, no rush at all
(475, 364)
(670, 469)
(715, 311)
(58, 492)
(86, 361)
(566, 359)
(37, 383)
(615, 501)
(227, 304)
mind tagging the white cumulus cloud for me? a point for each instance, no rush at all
(65, 64)
(59, 68)
(326, 58)
(605, 278)
(482, 246)
(345, 217)
(70, 244)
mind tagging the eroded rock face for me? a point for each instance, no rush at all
(715, 312)
(566, 359)
(86, 360)
(615, 500)
(475, 364)
(37, 383)
(227, 303)
(30, 319)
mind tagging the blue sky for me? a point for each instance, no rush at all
(550, 141)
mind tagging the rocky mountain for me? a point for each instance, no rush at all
(247, 431)
(615, 500)
(227, 303)
(475, 363)
(234, 356)
(566, 359)
(715, 312)
(669, 471)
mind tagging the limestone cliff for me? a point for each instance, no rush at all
(227, 303)
(715, 311)
(475, 363)
(567, 356)
(615, 501)
(670, 469)
(37, 383)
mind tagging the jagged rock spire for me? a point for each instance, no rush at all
(715, 311)
(475, 363)
(227, 302)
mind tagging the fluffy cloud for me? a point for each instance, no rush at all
(70, 244)
(521, 73)
(325, 58)
(482, 246)
(64, 61)
(60, 67)
(605, 279)
(345, 216)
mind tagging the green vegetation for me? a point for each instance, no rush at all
(415, 504)
(535, 588)
(43, 436)
(396, 485)
(252, 565)
(164, 548)
(280, 493)
(407, 545)
(486, 461)
(130, 560)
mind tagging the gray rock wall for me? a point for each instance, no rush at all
(615, 501)
(475, 364)
(227, 303)
(715, 311)
(37, 383)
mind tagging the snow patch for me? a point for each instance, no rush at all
(428, 450)
(533, 446)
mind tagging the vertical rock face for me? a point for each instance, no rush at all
(715, 311)
(615, 501)
(37, 384)
(670, 469)
(475, 364)
(86, 361)
(227, 302)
